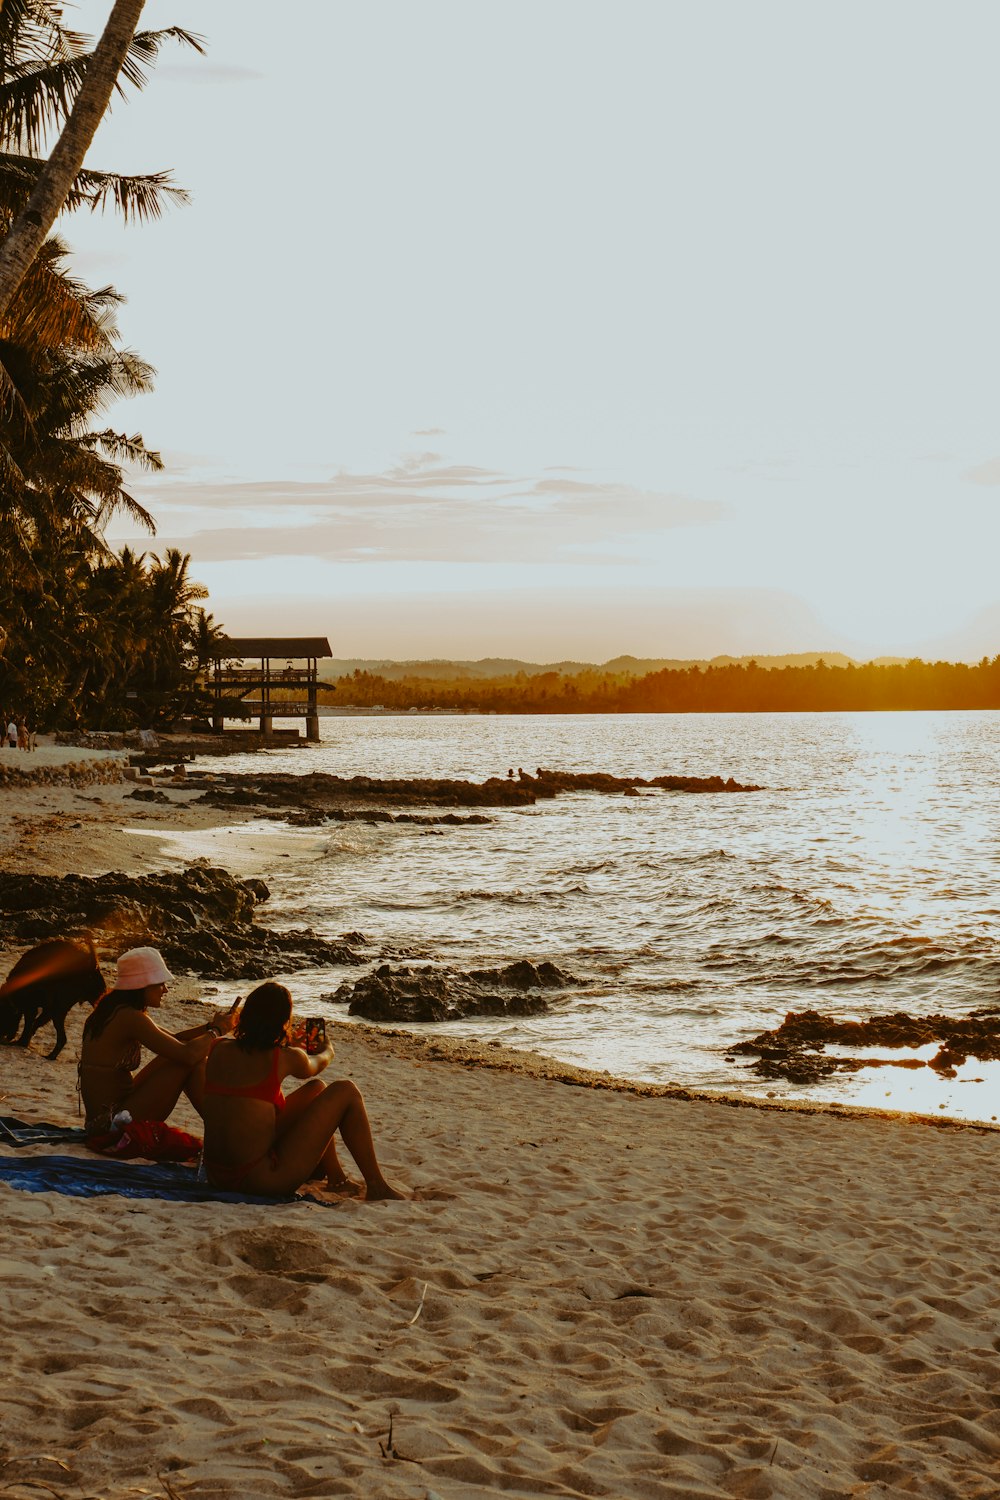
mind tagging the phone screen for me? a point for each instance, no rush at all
(309, 1033)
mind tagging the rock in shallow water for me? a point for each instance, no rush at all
(410, 994)
(317, 796)
(795, 1049)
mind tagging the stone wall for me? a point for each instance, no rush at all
(108, 739)
(29, 770)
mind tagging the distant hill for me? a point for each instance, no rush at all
(633, 666)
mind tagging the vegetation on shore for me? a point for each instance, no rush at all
(732, 688)
(86, 634)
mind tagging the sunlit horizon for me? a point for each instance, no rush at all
(681, 359)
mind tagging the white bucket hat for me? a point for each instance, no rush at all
(139, 967)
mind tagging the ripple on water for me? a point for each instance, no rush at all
(865, 874)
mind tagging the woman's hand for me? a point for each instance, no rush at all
(224, 1021)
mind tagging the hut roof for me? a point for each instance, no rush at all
(272, 645)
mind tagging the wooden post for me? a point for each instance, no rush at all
(312, 716)
(217, 720)
(266, 722)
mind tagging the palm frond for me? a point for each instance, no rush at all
(39, 85)
(130, 507)
(32, 30)
(17, 178)
(140, 199)
(53, 309)
(124, 449)
(78, 387)
(36, 98)
(137, 197)
(145, 48)
(11, 477)
(12, 403)
(132, 375)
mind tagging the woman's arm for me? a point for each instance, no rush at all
(183, 1048)
(300, 1064)
(222, 1023)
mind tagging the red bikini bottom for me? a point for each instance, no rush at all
(231, 1178)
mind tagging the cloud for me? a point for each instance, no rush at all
(421, 509)
(987, 473)
(212, 73)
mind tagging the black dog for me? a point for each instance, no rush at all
(44, 985)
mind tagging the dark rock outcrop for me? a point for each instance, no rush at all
(426, 994)
(202, 919)
(551, 783)
(524, 975)
(794, 1050)
(316, 796)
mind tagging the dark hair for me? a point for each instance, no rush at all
(263, 1021)
(109, 1004)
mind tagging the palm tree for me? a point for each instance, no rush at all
(43, 67)
(86, 633)
(55, 182)
(48, 79)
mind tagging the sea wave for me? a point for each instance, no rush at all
(517, 897)
(692, 919)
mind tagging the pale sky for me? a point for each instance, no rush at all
(572, 328)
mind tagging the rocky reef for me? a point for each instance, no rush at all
(441, 994)
(202, 919)
(318, 797)
(795, 1049)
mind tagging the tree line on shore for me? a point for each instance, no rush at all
(733, 688)
(87, 634)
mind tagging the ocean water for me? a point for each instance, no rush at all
(863, 879)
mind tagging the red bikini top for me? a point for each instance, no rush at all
(269, 1088)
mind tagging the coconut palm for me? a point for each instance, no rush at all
(49, 80)
(78, 622)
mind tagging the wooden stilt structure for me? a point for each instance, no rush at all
(273, 667)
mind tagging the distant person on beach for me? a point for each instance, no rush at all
(12, 734)
(22, 735)
(258, 1141)
(113, 1038)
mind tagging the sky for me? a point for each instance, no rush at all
(571, 328)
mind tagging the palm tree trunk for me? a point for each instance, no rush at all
(32, 225)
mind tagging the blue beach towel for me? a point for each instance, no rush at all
(86, 1177)
(25, 1133)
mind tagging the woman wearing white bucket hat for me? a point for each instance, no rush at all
(115, 1034)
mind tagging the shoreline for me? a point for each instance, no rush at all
(89, 827)
(598, 1287)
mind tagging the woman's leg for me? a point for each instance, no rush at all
(307, 1138)
(329, 1164)
(157, 1087)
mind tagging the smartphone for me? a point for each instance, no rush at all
(309, 1033)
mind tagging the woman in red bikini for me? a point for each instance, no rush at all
(114, 1036)
(258, 1141)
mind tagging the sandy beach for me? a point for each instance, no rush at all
(593, 1290)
